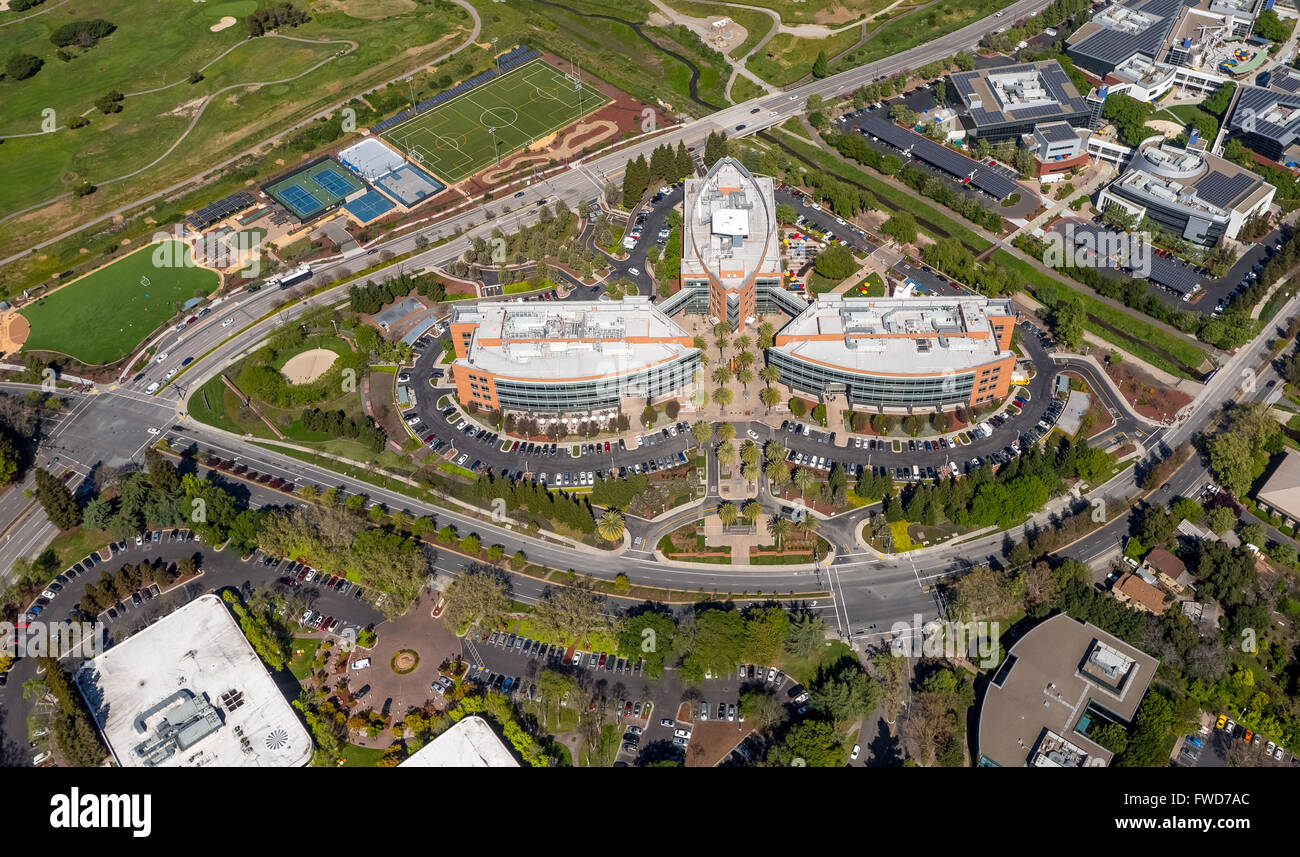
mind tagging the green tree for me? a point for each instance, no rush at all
(820, 67)
(611, 525)
(57, 501)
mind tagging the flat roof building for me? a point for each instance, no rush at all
(569, 358)
(1189, 192)
(729, 240)
(471, 743)
(899, 353)
(1007, 102)
(189, 691)
(1146, 47)
(1057, 682)
(1267, 119)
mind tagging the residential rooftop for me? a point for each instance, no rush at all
(189, 691)
(1281, 491)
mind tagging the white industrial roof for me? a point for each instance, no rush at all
(196, 658)
(471, 743)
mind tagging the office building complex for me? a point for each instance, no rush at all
(895, 354)
(1008, 102)
(1144, 48)
(189, 691)
(1058, 684)
(1189, 192)
(570, 358)
(1267, 119)
(729, 241)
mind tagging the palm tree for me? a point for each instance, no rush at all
(721, 342)
(777, 475)
(743, 342)
(699, 342)
(804, 480)
(807, 525)
(726, 452)
(722, 375)
(749, 452)
(749, 470)
(774, 451)
(770, 397)
(745, 377)
(728, 514)
(722, 329)
(702, 432)
(770, 374)
(611, 525)
(745, 358)
(779, 529)
(723, 397)
(751, 511)
(726, 431)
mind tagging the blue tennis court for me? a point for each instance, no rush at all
(314, 189)
(369, 206)
(333, 183)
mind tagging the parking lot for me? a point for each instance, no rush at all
(659, 718)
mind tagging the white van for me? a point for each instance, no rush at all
(361, 664)
(152, 388)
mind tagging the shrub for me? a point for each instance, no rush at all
(23, 66)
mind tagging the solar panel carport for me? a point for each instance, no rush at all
(986, 179)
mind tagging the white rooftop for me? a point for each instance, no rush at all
(729, 225)
(538, 341)
(897, 335)
(189, 691)
(471, 743)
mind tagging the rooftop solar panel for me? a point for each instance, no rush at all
(1056, 132)
(1220, 190)
(994, 183)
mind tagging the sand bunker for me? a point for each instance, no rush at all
(308, 366)
(225, 22)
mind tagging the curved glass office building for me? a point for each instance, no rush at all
(899, 354)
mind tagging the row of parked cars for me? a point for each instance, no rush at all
(1232, 730)
(242, 471)
(56, 586)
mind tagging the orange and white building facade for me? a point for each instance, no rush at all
(899, 354)
(730, 244)
(569, 358)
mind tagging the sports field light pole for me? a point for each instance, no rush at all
(411, 83)
(495, 147)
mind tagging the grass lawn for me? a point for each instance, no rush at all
(744, 89)
(804, 670)
(902, 539)
(75, 545)
(786, 58)
(905, 31)
(102, 317)
(304, 653)
(360, 757)
(872, 287)
(453, 140)
(302, 75)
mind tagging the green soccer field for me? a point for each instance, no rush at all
(454, 141)
(101, 318)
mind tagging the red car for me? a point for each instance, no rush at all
(602, 659)
(428, 438)
(627, 709)
(607, 446)
(324, 622)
